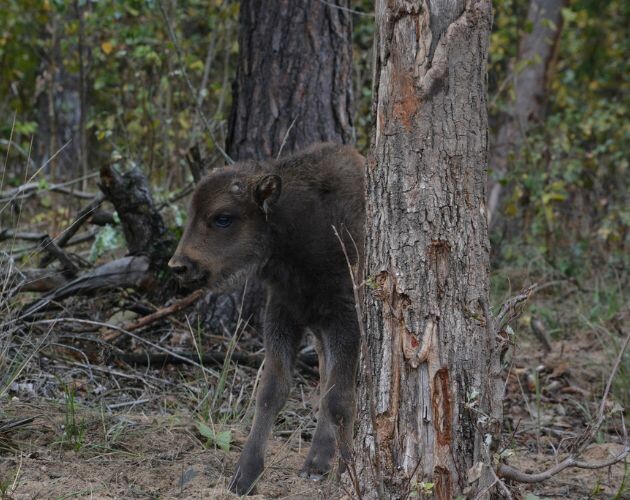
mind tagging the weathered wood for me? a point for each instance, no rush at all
(53, 251)
(41, 280)
(70, 231)
(132, 272)
(156, 315)
(32, 188)
(293, 86)
(431, 352)
(143, 227)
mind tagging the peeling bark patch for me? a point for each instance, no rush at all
(443, 483)
(406, 100)
(411, 345)
(385, 439)
(442, 411)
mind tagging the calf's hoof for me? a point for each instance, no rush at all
(314, 469)
(243, 483)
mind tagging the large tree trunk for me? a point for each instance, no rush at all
(293, 86)
(430, 358)
(537, 51)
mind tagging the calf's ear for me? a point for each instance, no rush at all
(267, 191)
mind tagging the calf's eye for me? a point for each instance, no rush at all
(222, 221)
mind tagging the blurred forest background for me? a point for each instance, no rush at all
(90, 83)
(84, 83)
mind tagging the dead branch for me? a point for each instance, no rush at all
(10, 234)
(72, 229)
(175, 197)
(510, 310)
(587, 437)
(70, 269)
(507, 472)
(307, 362)
(131, 272)
(41, 280)
(197, 167)
(157, 315)
(14, 423)
(165, 311)
(31, 188)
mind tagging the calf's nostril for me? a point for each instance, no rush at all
(178, 269)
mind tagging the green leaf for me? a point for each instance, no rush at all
(222, 439)
(205, 431)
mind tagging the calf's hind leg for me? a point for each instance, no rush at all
(337, 406)
(282, 339)
(323, 445)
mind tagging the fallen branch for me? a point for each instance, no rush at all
(14, 423)
(127, 272)
(157, 315)
(27, 190)
(41, 280)
(10, 234)
(506, 472)
(165, 311)
(142, 225)
(305, 361)
(72, 229)
(70, 269)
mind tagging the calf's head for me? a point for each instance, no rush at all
(226, 235)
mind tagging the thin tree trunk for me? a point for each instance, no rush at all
(537, 51)
(293, 86)
(430, 355)
(60, 106)
(82, 51)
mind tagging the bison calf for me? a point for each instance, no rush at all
(275, 219)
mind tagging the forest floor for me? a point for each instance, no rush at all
(152, 448)
(78, 420)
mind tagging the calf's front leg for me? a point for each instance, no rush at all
(282, 338)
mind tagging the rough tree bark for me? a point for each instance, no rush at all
(537, 51)
(293, 85)
(430, 357)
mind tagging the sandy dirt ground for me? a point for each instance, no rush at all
(138, 454)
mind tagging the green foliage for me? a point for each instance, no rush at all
(139, 104)
(107, 239)
(569, 186)
(74, 428)
(221, 439)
